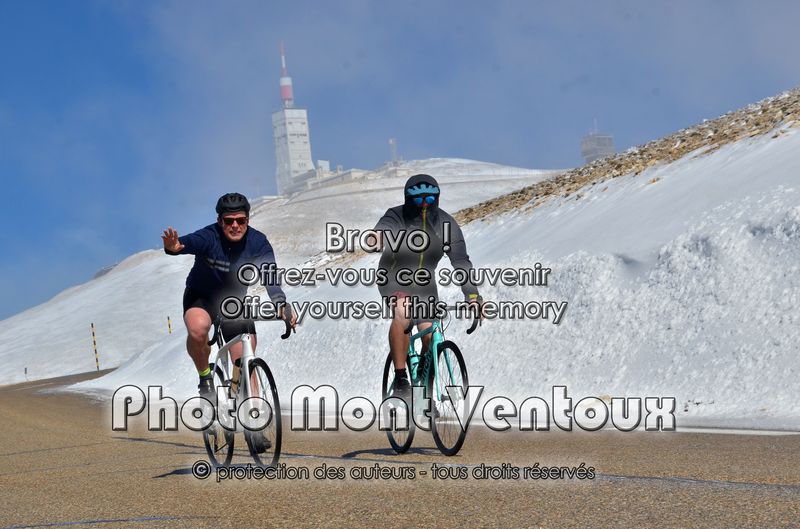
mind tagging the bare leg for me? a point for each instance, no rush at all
(398, 339)
(426, 340)
(198, 323)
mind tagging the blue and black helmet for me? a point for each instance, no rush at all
(422, 190)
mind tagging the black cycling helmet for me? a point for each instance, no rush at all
(230, 202)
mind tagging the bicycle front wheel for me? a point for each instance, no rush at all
(448, 433)
(265, 445)
(400, 438)
(218, 440)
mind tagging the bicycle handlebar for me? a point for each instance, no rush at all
(476, 320)
(219, 322)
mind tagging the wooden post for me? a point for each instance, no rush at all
(94, 343)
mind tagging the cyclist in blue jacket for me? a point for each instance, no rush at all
(219, 250)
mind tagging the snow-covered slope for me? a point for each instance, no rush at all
(129, 305)
(297, 228)
(682, 281)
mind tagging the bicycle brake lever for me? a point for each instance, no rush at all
(475, 322)
(217, 323)
(289, 330)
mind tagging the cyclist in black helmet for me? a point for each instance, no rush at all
(219, 250)
(420, 211)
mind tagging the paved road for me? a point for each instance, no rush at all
(60, 463)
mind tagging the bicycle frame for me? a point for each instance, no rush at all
(436, 339)
(248, 355)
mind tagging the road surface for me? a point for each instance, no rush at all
(62, 465)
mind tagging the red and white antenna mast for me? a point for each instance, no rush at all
(287, 95)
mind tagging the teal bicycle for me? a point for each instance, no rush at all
(434, 373)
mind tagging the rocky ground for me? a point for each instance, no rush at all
(773, 116)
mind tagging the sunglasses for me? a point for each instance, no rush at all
(241, 221)
(428, 199)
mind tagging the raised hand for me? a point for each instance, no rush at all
(171, 242)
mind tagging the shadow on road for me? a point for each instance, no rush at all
(390, 452)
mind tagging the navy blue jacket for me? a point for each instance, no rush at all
(217, 260)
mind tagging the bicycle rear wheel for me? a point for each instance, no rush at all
(399, 439)
(451, 370)
(218, 440)
(265, 445)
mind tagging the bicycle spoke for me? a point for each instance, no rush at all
(451, 371)
(217, 440)
(265, 444)
(399, 439)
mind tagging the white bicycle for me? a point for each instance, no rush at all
(249, 384)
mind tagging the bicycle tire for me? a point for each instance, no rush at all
(269, 392)
(219, 453)
(400, 440)
(447, 432)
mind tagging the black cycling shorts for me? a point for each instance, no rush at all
(192, 299)
(423, 294)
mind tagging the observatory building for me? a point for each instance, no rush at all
(597, 145)
(295, 171)
(292, 142)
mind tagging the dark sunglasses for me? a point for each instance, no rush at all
(241, 221)
(429, 199)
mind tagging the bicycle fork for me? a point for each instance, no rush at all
(440, 393)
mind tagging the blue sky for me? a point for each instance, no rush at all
(120, 118)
